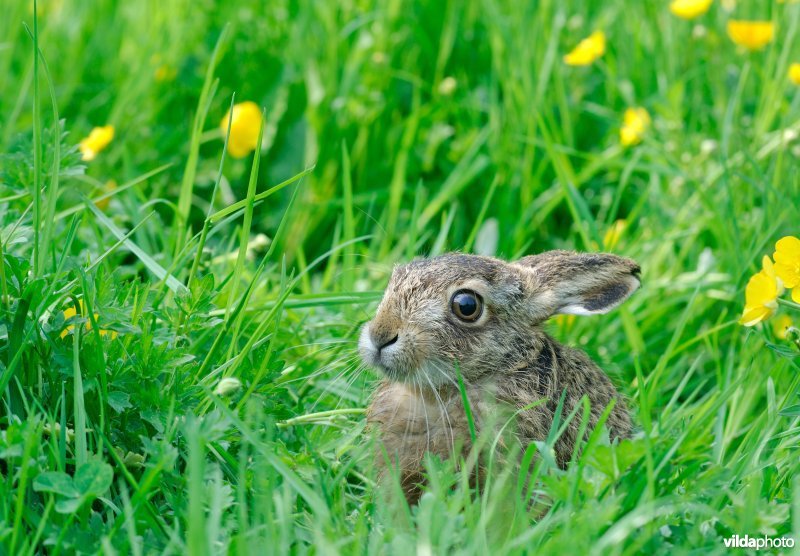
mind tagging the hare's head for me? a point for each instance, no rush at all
(478, 312)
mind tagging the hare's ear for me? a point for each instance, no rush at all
(578, 283)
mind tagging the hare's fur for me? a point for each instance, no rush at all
(506, 360)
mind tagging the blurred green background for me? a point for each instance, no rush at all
(370, 77)
(428, 127)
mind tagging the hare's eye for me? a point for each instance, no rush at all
(467, 305)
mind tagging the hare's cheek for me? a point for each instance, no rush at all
(403, 357)
(420, 345)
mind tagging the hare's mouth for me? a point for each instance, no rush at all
(394, 374)
(387, 352)
(399, 356)
(394, 365)
(427, 374)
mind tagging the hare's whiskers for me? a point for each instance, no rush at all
(318, 372)
(427, 423)
(445, 413)
(348, 367)
(357, 373)
(443, 372)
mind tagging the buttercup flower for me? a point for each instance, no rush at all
(635, 122)
(794, 73)
(97, 140)
(780, 326)
(787, 264)
(614, 232)
(588, 50)
(761, 295)
(753, 35)
(689, 9)
(244, 128)
(70, 312)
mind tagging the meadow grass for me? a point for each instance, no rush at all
(392, 130)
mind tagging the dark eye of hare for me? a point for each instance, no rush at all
(467, 305)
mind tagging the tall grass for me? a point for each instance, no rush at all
(392, 129)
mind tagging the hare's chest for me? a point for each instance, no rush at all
(412, 421)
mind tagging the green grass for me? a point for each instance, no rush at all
(118, 443)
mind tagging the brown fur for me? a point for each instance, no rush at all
(506, 360)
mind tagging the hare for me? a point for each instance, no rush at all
(483, 315)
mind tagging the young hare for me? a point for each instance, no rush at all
(484, 315)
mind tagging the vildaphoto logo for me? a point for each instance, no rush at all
(759, 543)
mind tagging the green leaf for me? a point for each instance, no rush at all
(69, 505)
(783, 351)
(119, 401)
(791, 411)
(93, 478)
(55, 482)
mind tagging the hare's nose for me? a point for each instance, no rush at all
(389, 342)
(383, 338)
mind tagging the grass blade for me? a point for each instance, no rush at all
(190, 171)
(172, 283)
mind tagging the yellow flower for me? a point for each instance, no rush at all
(787, 264)
(794, 73)
(614, 232)
(588, 50)
(753, 35)
(244, 128)
(70, 312)
(781, 325)
(97, 140)
(689, 9)
(761, 295)
(635, 122)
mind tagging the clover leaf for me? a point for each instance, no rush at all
(92, 479)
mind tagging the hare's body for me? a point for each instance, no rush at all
(507, 362)
(413, 420)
